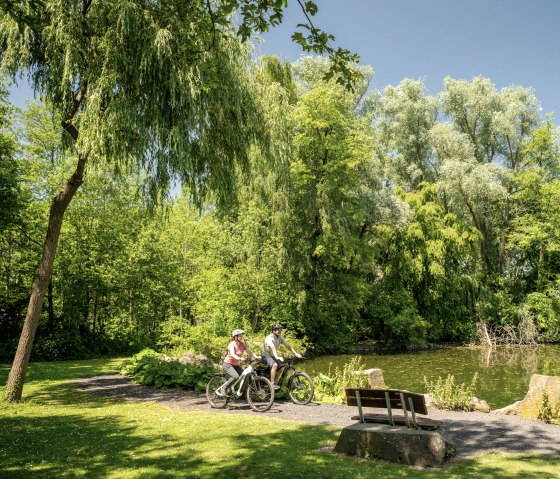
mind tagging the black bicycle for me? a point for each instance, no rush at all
(257, 389)
(299, 385)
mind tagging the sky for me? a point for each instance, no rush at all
(512, 42)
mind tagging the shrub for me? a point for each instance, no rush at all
(547, 411)
(331, 388)
(448, 395)
(152, 369)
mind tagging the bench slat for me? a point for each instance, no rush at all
(376, 398)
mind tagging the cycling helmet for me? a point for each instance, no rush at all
(276, 326)
(237, 332)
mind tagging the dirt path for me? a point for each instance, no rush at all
(472, 433)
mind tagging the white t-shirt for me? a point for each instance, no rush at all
(272, 340)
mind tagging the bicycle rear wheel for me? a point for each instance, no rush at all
(300, 388)
(260, 394)
(215, 382)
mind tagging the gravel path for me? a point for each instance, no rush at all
(471, 432)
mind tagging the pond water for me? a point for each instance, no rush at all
(503, 372)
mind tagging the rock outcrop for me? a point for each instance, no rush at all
(530, 405)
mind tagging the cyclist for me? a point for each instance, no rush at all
(235, 351)
(270, 351)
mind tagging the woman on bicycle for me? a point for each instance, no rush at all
(235, 351)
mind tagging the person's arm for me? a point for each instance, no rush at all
(290, 348)
(252, 354)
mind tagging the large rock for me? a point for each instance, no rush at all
(479, 405)
(395, 444)
(529, 406)
(375, 378)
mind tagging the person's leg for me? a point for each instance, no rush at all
(273, 367)
(232, 372)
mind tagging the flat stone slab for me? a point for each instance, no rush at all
(395, 444)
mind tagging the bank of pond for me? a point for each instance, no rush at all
(503, 372)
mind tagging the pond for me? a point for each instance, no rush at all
(503, 372)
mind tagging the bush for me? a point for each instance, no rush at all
(447, 395)
(547, 411)
(152, 369)
(331, 388)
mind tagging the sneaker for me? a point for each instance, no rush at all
(276, 387)
(220, 392)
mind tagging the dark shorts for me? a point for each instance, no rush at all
(271, 361)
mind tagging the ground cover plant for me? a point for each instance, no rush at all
(153, 369)
(60, 432)
(448, 395)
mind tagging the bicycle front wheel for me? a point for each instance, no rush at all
(215, 400)
(260, 394)
(300, 388)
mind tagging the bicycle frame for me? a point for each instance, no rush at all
(283, 370)
(242, 381)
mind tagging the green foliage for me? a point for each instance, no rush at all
(448, 395)
(152, 369)
(548, 412)
(10, 197)
(330, 388)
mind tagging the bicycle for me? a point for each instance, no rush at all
(257, 389)
(300, 385)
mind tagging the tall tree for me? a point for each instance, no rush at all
(163, 85)
(134, 82)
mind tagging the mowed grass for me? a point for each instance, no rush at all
(59, 432)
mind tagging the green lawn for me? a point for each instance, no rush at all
(58, 432)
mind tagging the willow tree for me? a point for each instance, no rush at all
(160, 85)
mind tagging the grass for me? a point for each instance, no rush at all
(59, 432)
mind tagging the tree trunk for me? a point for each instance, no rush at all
(14, 386)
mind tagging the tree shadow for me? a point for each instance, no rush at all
(75, 446)
(497, 435)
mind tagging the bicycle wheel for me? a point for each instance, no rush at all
(300, 388)
(260, 394)
(214, 383)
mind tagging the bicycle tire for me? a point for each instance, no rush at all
(301, 388)
(260, 394)
(216, 381)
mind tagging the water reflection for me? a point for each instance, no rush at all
(504, 371)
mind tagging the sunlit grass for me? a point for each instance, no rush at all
(59, 432)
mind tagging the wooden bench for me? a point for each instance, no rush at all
(390, 399)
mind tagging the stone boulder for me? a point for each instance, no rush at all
(529, 406)
(395, 444)
(479, 405)
(375, 378)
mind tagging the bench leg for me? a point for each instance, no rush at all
(403, 405)
(359, 401)
(413, 412)
(389, 409)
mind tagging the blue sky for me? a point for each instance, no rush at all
(512, 42)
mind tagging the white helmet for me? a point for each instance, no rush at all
(237, 332)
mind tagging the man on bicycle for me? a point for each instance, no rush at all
(270, 351)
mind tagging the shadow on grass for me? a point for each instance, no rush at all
(74, 446)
